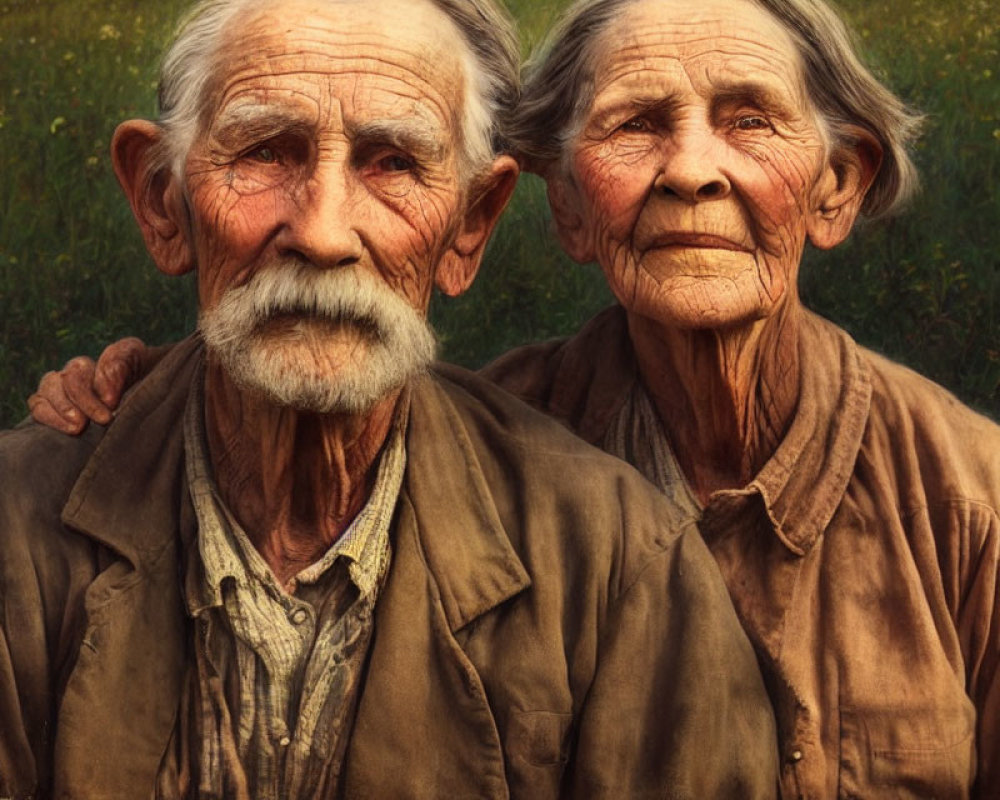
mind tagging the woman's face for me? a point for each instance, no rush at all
(700, 168)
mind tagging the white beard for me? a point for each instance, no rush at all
(384, 339)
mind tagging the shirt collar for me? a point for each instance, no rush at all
(224, 549)
(801, 486)
(803, 483)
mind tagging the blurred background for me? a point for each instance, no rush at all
(74, 275)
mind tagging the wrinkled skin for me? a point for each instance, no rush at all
(334, 141)
(696, 177)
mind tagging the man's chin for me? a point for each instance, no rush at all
(319, 374)
(315, 396)
(317, 332)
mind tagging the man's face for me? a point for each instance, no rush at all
(332, 147)
(695, 168)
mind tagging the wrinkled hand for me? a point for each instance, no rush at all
(82, 390)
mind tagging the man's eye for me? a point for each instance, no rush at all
(395, 163)
(264, 154)
(752, 122)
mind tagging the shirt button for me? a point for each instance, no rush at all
(795, 756)
(284, 741)
(299, 616)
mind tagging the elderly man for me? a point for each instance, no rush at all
(300, 566)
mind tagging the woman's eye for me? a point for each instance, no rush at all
(635, 125)
(752, 122)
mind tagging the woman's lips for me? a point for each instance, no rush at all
(692, 239)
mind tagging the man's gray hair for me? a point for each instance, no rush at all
(491, 68)
(559, 86)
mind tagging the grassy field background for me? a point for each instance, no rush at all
(924, 288)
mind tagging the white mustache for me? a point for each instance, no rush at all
(296, 288)
(400, 342)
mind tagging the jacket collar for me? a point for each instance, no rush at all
(461, 536)
(804, 482)
(127, 495)
(452, 562)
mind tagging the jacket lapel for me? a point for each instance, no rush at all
(424, 726)
(118, 708)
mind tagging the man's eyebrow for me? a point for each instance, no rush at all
(254, 122)
(412, 136)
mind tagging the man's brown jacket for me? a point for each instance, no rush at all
(549, 627)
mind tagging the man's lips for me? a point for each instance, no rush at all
(692, 239)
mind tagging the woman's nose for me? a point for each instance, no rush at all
(691, 168)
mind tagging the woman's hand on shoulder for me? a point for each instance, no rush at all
(86, 390)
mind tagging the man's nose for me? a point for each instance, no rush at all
(323, 218)
(692, 166)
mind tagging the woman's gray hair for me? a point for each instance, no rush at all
(491, 68)
(559, 88)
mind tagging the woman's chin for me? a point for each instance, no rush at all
(706, 302)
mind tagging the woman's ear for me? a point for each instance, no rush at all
(154, 193)
(841, 189)
(567, 215)
(458, 266)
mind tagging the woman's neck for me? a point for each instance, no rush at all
(725, 397)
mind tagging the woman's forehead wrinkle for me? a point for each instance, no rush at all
(734, 33)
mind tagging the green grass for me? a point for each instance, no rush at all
(925, 288)
(74, 274)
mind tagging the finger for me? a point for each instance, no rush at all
(119, 366)
(49, 406)
(78, 385)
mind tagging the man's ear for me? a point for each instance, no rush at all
(458, 266)
(841, 189)
(564, 200)
(154, 193)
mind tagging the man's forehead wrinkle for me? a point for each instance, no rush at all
(324, 43)
(419, 93)
(268, 44)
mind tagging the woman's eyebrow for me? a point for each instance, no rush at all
(759, 94)
(637, 103)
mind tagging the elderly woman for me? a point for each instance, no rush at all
(692, 148)
(699, 144)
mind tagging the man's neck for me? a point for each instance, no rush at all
(294, 480)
